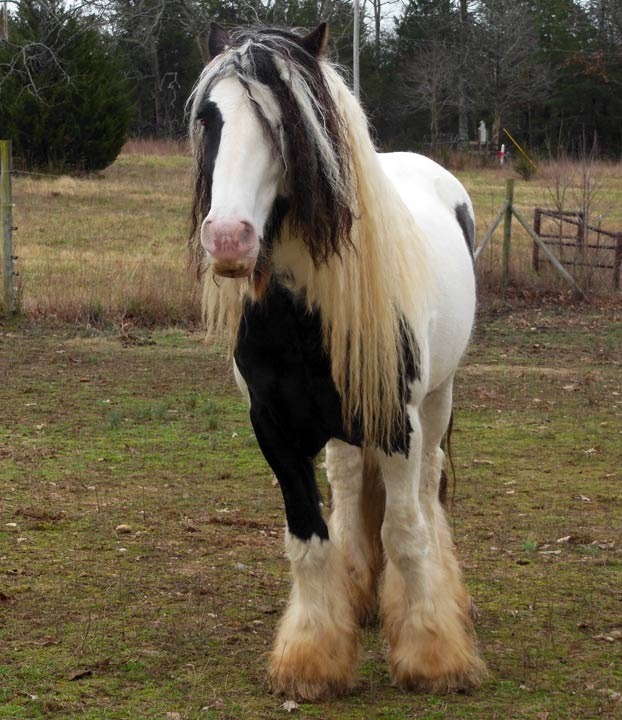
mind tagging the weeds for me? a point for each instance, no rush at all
(530, 545)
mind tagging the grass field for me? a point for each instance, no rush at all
(112, 248)
(141, 535)
(108, 248)
(141, 563)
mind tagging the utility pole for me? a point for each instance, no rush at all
(5, 21)
(355, 50)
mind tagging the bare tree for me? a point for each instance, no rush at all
(26, 55)
(377, 11)
(428, 83)
(514, 73)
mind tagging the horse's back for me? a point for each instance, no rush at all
(419, 180)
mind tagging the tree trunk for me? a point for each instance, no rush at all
(156, 81)
(496, 131)
(463, 118)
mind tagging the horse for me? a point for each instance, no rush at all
(343, 279)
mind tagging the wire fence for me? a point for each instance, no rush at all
(69, 267)
(96, 251)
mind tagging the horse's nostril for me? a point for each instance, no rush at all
(246, 231)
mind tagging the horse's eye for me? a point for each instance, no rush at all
(209, 116)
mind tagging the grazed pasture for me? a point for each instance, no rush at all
(169, 616)
(141, 563)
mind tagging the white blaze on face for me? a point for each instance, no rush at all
(247, 177)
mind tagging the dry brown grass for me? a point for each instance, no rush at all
(111, 247)
(156, 146)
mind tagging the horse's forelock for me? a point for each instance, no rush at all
(317, 162)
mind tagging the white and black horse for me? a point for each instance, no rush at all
(345, 281)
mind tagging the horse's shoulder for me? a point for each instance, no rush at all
(281, 356)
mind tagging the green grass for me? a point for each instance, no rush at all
(175, 616)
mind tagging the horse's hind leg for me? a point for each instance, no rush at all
(424, 603)
(355, 521)
(316, 648)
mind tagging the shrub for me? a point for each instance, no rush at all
(64, 101)
(523, 167)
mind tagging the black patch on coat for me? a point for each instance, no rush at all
(211, 118)
(295, 406)
(465, 220)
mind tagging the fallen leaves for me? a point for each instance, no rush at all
(290, 706)
(81, 674)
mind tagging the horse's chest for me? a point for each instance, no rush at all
(280, 354)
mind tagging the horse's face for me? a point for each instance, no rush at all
(272, 146)
(246, 175)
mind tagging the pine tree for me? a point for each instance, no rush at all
(64, 100)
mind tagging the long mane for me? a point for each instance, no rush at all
(351, 243)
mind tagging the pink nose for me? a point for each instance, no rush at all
(232, 246)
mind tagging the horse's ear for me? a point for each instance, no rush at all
(315, 42)
(218, 40)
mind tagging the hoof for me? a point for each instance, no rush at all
(425, 661)
(432, 646)
(312, 671)
(440, 678)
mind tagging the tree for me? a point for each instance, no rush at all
(163, 52)
(515, 76)
(64, 100)
(437, 41)
(165, 44)
(429, 83)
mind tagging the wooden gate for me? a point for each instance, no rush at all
(577, 244)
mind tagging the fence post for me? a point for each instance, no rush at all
(581, 238)
(535, 251)
(507, 234)
(6, 211)
(617, 263)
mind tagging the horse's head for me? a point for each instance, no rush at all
(267, 143)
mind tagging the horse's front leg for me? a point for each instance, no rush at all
(425, 606)
(355, 521)
(316, 648)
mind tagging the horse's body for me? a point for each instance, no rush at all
(351, 304)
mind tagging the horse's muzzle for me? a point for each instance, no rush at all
(232, 246)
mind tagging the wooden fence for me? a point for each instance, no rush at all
(576, 243)
(507, 212)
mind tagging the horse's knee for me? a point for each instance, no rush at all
(404, 539)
